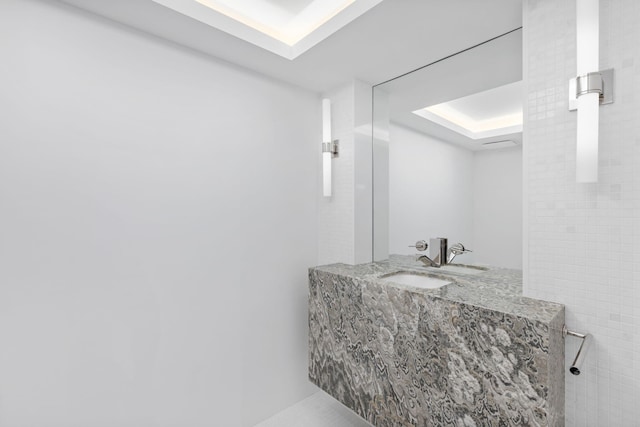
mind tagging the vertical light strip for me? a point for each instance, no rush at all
(326, 154)
(588, 44)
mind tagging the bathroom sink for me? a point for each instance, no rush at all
(416, 280)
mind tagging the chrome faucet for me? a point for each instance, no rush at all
(439, 253)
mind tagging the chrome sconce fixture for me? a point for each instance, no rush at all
(329, 147)
(589, 90)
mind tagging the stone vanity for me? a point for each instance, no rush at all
(474, 352)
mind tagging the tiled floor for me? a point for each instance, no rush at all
(318, 410)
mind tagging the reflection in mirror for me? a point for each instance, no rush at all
(447, 155)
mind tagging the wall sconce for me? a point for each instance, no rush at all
(329, 148)
(590, 89)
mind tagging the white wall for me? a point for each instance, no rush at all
(584, 239)
(158, 215)
(430, 191)
(497, 207)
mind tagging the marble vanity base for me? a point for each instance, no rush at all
(403, 357)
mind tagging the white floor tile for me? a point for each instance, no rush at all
(318, 410)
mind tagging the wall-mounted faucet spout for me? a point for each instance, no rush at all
(439, 253)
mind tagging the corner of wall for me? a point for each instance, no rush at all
(345, 218)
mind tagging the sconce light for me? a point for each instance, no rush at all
(329, 147)
(590, 89)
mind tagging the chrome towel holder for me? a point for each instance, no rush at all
(584, 346)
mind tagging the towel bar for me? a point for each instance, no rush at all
(579, 359)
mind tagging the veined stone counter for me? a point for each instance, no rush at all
(472, 353)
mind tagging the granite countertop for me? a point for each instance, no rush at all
(497, 289)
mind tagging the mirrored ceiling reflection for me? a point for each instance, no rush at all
(472, 99)
(447, 155)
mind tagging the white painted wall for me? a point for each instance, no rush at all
(497, 207)
(430, 191)
(157, 217)
(584, 239)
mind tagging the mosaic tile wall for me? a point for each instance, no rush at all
(582, 241)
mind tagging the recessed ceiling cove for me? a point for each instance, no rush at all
(494, 112)
(285, 27)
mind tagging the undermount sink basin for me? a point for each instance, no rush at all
(458, 268)
(416, 280)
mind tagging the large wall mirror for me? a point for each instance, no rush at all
(447, 155)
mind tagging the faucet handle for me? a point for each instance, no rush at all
(420, 245)
(455, 250)
(459, 249)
